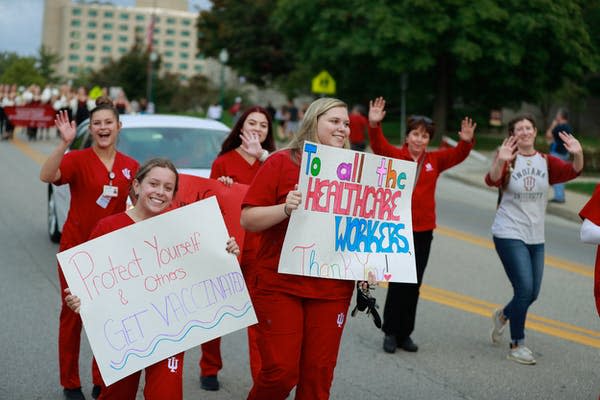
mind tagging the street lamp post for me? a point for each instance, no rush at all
(223, 58)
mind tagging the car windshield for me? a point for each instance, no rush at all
(186, 147)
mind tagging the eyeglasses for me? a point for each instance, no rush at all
(420, 118)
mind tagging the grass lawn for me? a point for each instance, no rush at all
(582, 187)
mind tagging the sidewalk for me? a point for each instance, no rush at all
(472, 172)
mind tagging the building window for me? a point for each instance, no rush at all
(122, 50)
(73, 57)
(124, 16)
(107, 25)
(106, 49)
(73, 69)
(123, 27)
(184, 45)
(168, 65)
(186, 22)
(183, 66)
(184, 55)
(75, 22)
(76, 11)
(105, 60)
(107, 37)
(92, 24)
(198, 68)
(89, 58)
(156, 30)
(90, 47)
(92, 13)
(169, 43)
(185, 33)
(139, 17)
(170, 31)
(168, 53)
(171, 20)
(75, 34)
(139, 29)
(74, 46)
(123, 39)
(91, 35)
(108, 14)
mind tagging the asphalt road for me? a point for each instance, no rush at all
(464, 282)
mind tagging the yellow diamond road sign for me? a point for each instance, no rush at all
(323, 83)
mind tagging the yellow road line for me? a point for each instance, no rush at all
(555, 262)
(534, 322)
(30, 152)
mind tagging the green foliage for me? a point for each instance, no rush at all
(582, 187)
(22, 71)
(242, 27)
(47, 61)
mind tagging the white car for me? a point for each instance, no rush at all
(191, 143)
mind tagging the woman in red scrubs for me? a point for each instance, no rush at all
(243, 152)
(300, 318)
(99, 179)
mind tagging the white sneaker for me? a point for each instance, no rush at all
(522, 355)
(497, 327)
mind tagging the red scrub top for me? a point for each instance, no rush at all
(278, 175)
(591, 211)
(86, 175)
(110, 224)
(233, 165)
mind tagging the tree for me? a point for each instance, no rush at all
(243, 28)
(489, 53)
(46, 64)
(22, 71)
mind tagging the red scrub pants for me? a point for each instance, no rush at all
(164, 380)
(69, 341)
(299, 339)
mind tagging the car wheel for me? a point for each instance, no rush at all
(53, 231)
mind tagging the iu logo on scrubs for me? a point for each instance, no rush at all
(340, 320)
(173, 363)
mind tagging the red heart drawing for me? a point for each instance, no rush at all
(387, 277)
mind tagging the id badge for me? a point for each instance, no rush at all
(103, 201)
(110, 191)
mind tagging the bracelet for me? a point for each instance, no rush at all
(285, 210)
(263, 156)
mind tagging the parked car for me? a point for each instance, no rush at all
(191, 143)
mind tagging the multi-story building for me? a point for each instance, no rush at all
(87, 35)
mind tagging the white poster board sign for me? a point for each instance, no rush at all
(158, 287)
(355, 218)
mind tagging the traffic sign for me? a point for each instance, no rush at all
(323, 83)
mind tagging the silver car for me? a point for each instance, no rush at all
(191, 143)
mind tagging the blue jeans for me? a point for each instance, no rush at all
(559, 188)
(524, 266)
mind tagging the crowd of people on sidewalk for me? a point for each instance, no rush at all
(76, 101)
(295, 344)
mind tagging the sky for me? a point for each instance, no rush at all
(21, 23)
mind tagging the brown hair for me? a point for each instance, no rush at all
(157, 162)
(104, 103)
(233, 140)
(414, 122)
(519, 118)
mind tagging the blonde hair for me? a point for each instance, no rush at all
(308, 127)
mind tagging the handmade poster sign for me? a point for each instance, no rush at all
(157, 288)
(355, 218)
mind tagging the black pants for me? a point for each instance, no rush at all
(401, 300)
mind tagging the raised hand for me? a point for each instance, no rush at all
(73, 302)
(376, 111)
(571, 144)
(251, 144)
(67, 129)
(508, 149)
(467, 129)
(293, 200)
